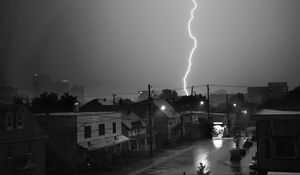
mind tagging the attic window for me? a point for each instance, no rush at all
(9, 121)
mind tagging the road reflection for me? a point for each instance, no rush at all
(202, 157)
(218, 143)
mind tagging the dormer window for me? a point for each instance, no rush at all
(9, 120)
(19, 120)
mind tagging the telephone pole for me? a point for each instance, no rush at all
(192, 90)
(227, 111)
(207, 87)
(114, 99)
(150, 117)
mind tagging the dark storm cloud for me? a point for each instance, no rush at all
(115, 45)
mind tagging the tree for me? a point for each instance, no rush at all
(50, 103)
(66, 102)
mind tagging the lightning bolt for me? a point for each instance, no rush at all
(193, 49)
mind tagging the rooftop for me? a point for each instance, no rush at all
(79, 113)
(277, 112)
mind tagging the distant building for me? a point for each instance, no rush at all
(277, 90)
(60, 87)
(7, 94)
(274, 91)
(168, 94)
(78, 91)
(22, 142)
(144, 95)
(257, 95)
(136, 130)
(41, 83)
(278, 144)
(83, 140)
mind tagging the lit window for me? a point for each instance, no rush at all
(9, 120)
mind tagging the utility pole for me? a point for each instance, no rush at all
(192, 90)
(227, 112)
(150, 117)
(114, 99)
(208, 115)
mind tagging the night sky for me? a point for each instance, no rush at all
(122, 45)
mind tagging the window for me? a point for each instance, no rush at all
(87, 131)
(133, 144)
(114, 127)
(285, 148)
(19, 120)
(9, 120)
(101, 129)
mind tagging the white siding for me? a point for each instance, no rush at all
(94, 120)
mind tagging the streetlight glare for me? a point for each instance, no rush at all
(234, 104)
(201, 102)
(163, 107)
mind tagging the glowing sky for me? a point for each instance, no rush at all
(122, 45)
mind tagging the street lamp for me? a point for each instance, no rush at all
(244, 111)
(201, 103)
(163, 107)
(234, 105)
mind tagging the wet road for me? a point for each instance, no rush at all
(213, 153)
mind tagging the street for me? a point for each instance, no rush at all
(214, 154)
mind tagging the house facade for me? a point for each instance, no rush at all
(83, 140)
(136, 130)
(278, 140)
(22, 142)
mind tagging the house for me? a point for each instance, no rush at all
(99, 105)
(165, 119)
(135, 129)
(81, 140)
(22, 142)
(278, 140)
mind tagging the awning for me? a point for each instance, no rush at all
(102, 143)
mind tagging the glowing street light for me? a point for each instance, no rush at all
(234, 105)
(244, 112)
(163, 107)
(201, 103)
